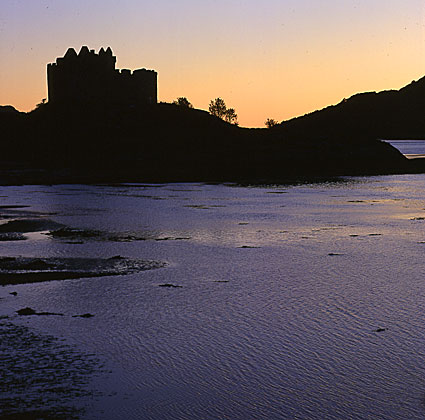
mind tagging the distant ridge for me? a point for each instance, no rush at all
(390, 114)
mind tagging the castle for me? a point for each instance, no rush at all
(88, 77)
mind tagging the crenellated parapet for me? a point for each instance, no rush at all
(88, 77)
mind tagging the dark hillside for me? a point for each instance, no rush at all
(165, 142)
(389, 114)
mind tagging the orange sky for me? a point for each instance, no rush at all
(275, 60)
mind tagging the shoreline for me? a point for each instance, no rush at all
(42, 176)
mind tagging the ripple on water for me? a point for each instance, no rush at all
(41, 377)
(293, 333)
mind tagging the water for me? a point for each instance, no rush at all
(283, 289)
(410, 148)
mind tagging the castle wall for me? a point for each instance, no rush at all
(88, 77)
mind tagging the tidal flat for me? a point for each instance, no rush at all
(214, 301)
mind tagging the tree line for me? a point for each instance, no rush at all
(218, 108)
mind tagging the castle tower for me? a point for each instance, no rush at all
(88, 77)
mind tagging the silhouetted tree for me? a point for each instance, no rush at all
(183, 101)
(270, 122)
(218, 108)
(231, 116)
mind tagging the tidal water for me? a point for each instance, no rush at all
(295, 302)
(410, 148)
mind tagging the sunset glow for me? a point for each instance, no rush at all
(275, 60)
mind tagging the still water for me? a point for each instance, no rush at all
(410, 148)
(296, 302)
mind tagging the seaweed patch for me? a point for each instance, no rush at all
(42, 378)
(15, 270)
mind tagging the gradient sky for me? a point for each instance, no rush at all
(275, 59)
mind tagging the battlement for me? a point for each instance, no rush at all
(88, 77)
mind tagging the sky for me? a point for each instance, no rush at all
(275, 59)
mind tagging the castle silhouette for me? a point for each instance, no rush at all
(88, 77)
